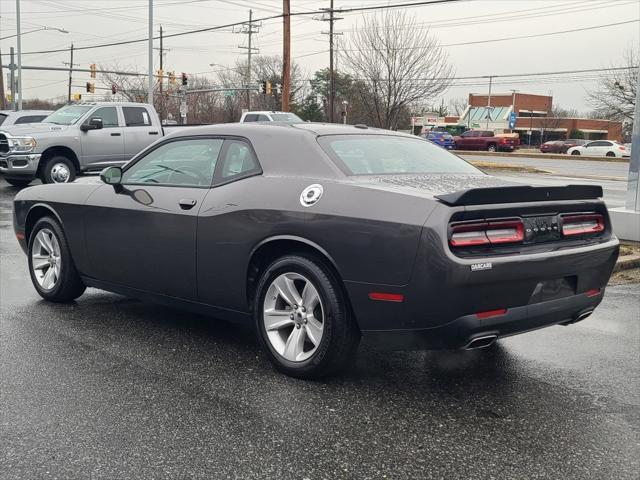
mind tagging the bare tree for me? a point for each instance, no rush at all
(615, 96)
(457, 106)
(396, 63)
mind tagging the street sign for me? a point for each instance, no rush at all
(512, 120)
(183, 109)
(229, 93)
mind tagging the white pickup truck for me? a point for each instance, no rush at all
(76, 138)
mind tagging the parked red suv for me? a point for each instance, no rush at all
(485, 140)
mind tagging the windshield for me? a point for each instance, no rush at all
(389, 154)
(67, 115)
(285, 117)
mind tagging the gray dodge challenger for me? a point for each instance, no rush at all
(322, 234)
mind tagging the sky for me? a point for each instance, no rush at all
(464, 29)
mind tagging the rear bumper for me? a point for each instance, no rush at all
(462, 331)
(440, 305)
(19, 165)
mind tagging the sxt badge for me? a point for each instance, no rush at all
(481, 266)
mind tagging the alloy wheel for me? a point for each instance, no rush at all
(293, 317)
(46, 259)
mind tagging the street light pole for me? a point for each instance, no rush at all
(19, 46)
(150, 92)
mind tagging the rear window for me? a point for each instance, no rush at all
(285, 117)
(2, 118)
(388, 154)
(136, 116)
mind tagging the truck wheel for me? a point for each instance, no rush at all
(58, 169)
(303, 319)
(18, 182)
(53, 273)
(491, 148)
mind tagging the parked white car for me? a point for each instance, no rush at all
(600, 148)
(266, 116)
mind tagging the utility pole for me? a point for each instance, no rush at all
(2, 101)
(286, 55)
(249, 29)
(19, 45)
(12, 78)
(489, 102)
(161, 79)
(150, 91)
(332, 87)
(71, 65)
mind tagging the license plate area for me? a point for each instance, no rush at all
(554, 289)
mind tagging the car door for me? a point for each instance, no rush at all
(103, 146)
(226, 232)
(141, 234)
(598, 148)
(139, 131)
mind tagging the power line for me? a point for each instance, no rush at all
(219, 27)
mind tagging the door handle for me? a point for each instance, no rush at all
(115, 134)
(153, 133)
(187, 203)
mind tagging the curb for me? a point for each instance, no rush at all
(554, 156)
(627, 262)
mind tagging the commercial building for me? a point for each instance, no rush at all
(534, 119)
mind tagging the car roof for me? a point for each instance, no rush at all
(267, 128)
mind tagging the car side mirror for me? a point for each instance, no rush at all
(94, 124)
(112, 176)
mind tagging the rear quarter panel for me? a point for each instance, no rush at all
(370, 236)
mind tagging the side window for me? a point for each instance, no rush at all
(188, 163)
(30, 119)
(136, 116)
(237, 158)
(252, 117)
(109, 116)
(263, 118)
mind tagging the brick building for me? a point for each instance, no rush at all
(534, 121)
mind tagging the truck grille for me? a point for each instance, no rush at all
(4, 144)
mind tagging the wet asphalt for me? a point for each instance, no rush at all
(113, 388)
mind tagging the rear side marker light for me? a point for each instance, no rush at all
(20, 236)
(386, 297)
(594, 292)
(487, 233)
(491, 313)
(582, 224)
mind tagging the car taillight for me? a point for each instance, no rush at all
(582, 224)
(621, 147)
(487, 233)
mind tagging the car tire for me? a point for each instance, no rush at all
(58, 169)
(51, 266)
(610, 154)
(575, 152)
(20, 183)
(492, 148)
(286, 336)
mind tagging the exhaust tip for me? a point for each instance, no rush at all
(481, 342)
(584, 315)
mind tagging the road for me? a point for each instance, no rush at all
(612, 176)
(110, 387)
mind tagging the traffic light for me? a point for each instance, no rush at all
(184, 79)
(278, 89)
(263, 87)
(172, 78)
(114, 89)
(268, 88)
(93, 69)
(77, 96)
(91, 88)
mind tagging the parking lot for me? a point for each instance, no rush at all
(110, 387)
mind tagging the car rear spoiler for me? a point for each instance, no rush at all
(520, 193)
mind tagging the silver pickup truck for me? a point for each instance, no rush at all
(74, 139)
